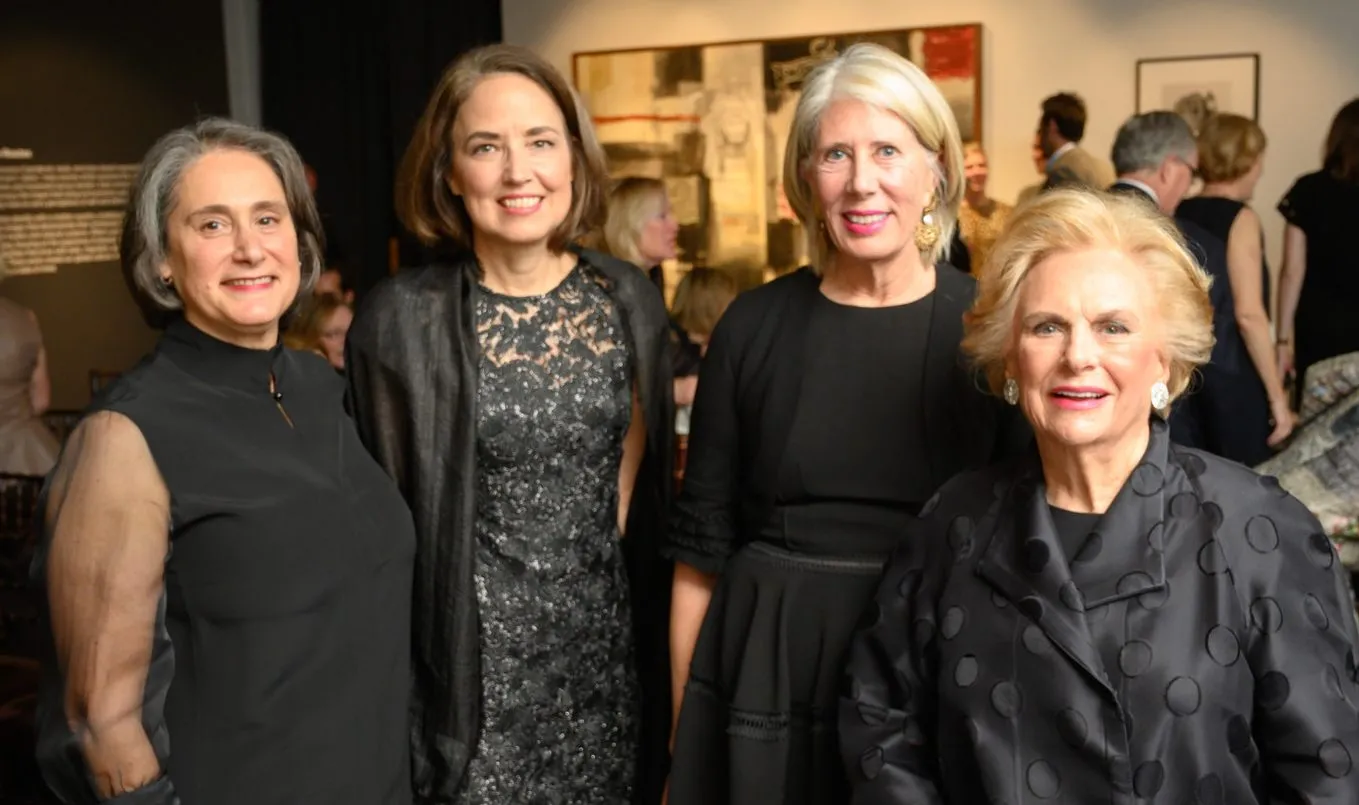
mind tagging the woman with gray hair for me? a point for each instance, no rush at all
(833, 403)
(1112, 617)
(228, 573)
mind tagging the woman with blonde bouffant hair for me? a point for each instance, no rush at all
(831, 404)
(521, 395)
(1110, 611)
(1245, 409)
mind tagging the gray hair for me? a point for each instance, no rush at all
(881, 78)
(144, 243)
(1145, 141)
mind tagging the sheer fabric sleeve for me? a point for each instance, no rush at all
(1302, 652)
(107, 523)
(887, 716)
(702, 531)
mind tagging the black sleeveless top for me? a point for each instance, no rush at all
(1217, 214)
(281, 667)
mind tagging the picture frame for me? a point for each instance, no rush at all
(711, 119)
(1197, 86)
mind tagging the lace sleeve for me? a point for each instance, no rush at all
(107, 523)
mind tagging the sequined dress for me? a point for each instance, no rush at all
(554, 401)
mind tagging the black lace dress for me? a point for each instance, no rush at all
(554, 402)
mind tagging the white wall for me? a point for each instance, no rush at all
(1309, 60)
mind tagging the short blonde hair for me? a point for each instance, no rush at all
(878, 77)
(1071, 219)
(425, 204)
(1229, 146)
(633, 200)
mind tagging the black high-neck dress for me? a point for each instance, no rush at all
(280, 670)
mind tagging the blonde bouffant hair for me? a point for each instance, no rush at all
(1074, 219)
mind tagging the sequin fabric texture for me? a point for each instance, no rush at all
(554, 401)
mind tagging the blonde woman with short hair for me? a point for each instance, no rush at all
(1246, 405)
(641, 227)
(832, 403)
(1111, 617)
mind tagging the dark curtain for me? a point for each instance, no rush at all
(345, 80)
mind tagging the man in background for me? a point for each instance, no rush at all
(1060, 131)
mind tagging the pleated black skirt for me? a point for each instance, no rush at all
(758, 723)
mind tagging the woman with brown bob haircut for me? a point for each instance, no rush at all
(1318, 282)
(520, 395)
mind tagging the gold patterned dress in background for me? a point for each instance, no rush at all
(980, 229)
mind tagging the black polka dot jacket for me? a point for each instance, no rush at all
(1202, 649)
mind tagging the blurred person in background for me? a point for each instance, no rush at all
(1252, 415)
(321, 324)
(27, 446)
(1319, 279)
(640, 227)
(981, 218)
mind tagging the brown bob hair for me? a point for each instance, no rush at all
(1342, 144)
(424, 202)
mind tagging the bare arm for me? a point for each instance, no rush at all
(691, 593)
(1291, 276)
(1244, 260)
(108, 512)
(39, 384)
(634, 447)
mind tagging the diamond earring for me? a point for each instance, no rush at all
(1011, 391)
(1160, 395)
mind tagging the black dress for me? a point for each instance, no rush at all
(1325, 209)
(280, 671)
(1232, 407)
(758, 719)
(1198, 647)
(554, 402)
(412, 360)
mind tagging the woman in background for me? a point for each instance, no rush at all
(833, 401)
(1250, 409)
(1319, 281)
(701, 298)
(520, 395)
(980, 218)
(640, 226)
(321, 326)
(27, 446)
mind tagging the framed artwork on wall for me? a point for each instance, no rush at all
(1198, 86)
(711, 120)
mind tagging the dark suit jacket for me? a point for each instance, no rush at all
(411, 356)
(747, 403)
(1202, 649)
